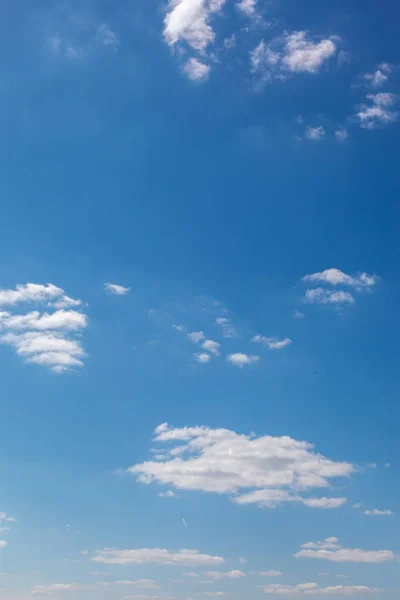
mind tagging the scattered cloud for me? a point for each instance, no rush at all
(379, 77)
(190, 22)
(240, 360)
(379, 111)
(271, 573)
(46, 338)
(215, 594)
(272, 343)
(273, 469)
(203, 357)
(321, 296)
(225, 574)
(248, 7)
(107, 37)
(324, 502)
(196, 336)
(211, 346)
(196, 70)
(155, 556)
(315, 133)
(181, 328)
(118, 290)
(168, 494)
(293, 52)
(313, 589)
(337, 277)
(376, 512)
(191, 574)
(341, 134)
(228, 330)
(297, 314)
(330, 550)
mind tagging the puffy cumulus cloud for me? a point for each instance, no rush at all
(321, 296)
(44, 338)
(118, 290)
(211, 346)
(262, 470)
(196, 70)
(337, 277)
(240, 360)
(313, 589)
(378, 513)
(272, 343)
(228, 330)
(202, 357)
(378, 77)
(155, 556)
(235, 574)
(379, 111)
(315, 133)
(189, 21)
(292, 53)
(330, 549)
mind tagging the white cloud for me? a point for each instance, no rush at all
(298, 314)
(313, 589)
(181, 328)
(3, 543)
(292, 53)
(321, 296)
(215, 594)
(203, 357)
(376, 512)
(155, 556)
(189, 21)
(6, 518)
(272, 470)
(139, 583)
(331, 550)
(248, 7)
(324, 502)
(378, 112)
(168, 494)
(107, 37)
(380, 76)
(228, 330)
(315, 133)
(118, 290)
(191, 574)
(337, 277)
(196, 336)
(49, 590)
(196, 70)
(341, 134)
(225, 574)
(211, 346)
(43, 338)
(271, 573)
(272, 343)
(239, 359)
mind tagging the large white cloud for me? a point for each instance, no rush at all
(189, 21)
(330, 549)
(189, 558)
(264, 470)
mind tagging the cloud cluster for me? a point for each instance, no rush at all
(264, 470)
(188, 558)
(378, 77)
(44, 338)
(379, 111)
(336, 277)
(330, 549)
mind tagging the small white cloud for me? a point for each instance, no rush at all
(225, 574)
(337, 277)
(230, 42)
(191, 574)
(196, 70)
(378, 112)
(248, 7)
(211, 346)
(331, 550)
(320, 296)
(376, 512)
(215, 594)
(341, 134)
(189, 22)
(271, 573)
(168, 494)
(118, 290)
(327, 503)
(272, 343)
(380, 76)
(196, 336)
(181, 328)
(240, 360)
(297, 314)
(203, 357)
(315, 133)
(228, 330)
(107, 37)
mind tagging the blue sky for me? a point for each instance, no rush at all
(199, 300)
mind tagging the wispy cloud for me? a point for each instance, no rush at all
(118, 290)
(379, 111)
(378, 513)
(313, 589)
(321, 296)
(337, 277)
(315, 134)
(341, 134)
(378, 77)
(155, 556)
(330, 549)
(228, 330)
(272, 343)
(196, 70)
